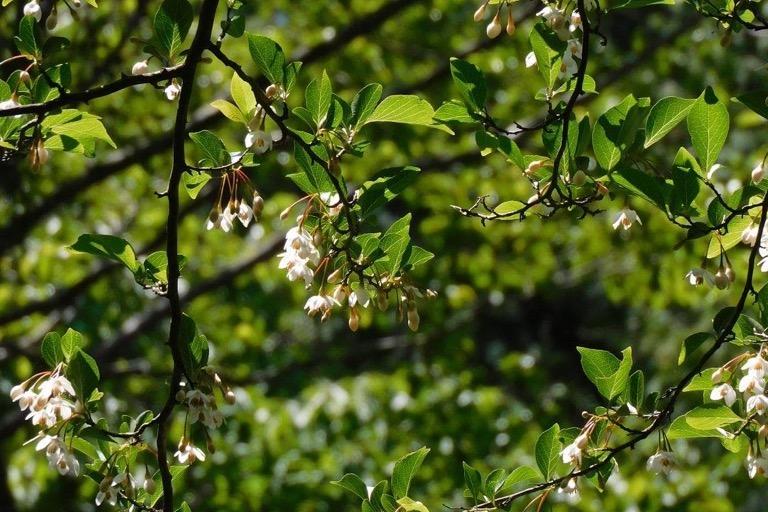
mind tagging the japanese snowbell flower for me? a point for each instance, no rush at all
(32, 8)
(572, 453)
(530, 60)
(758, 403)
(757, 466)
(724, 392)
(698, 276)
(756, 366)
(758, 173)
(188, 453)
(749, 235)
(320, 304)
(626, 219)
(259, 141)
(140, 68)
(172, 91)
(661, 462)
(751, 385)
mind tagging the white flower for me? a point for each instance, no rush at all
(188, 453)
(756, 465)
(298, 268)
(359, 296)
(626, 219)
(572, 453)
(32, 8)
(259, 141)
(698, 276)
(575, 21)
(56, 385)
(221, 220)
(107, 492)
(759, 403)
(140, 68)
(67, 464)
(751, 385)
(553, 16)
(320, 304)
(749, 235)
(530, 60)
(724, 392)
(758, 173)
(172, 91)
(756, 366)
(9, 103)
(661, 462)
(570, 490)
(245, 214)
(494, 27)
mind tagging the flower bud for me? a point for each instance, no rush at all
(510, 23)
(354, 319)
(258, 205)
(721, 279)
(730, 274)
(717, 375)
(149, 485)
(762, 433)
(140, 68)
(335, 276)
(271, 91)
(52, 21)
(758, 173)
(229, 396)
(494, 27)
(180, 395)
(480, 12)
(32, 8)
(413, 318)
(24, 77)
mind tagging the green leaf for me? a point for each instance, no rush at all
(721, 243)
(701, 381)
(473, 481)
(691, 344)
(755, 101)
(194, 346)
(385, 186)
(408, 505)
(404, 109)
(268, 57)
(83, 372)
(609, 374)
(108, 246)
(547, 451)
(51, 349)
(471, 83)
(394, 242)
(242, 95)
(84, 129)
(172, 23)
(711, 416)
(549, 50)
(216, 154)
(156, 266)
(28, 40)
(318, 98)
(708, 123)
(71, 342)
(194, 182)
(685, 188)
(353, 484)
(364, 103)
(665, 115)
(453, 112)
(518, 475)
(615, 131)
(229, 110)
(417, 256)
(405, 469)
(640, 184)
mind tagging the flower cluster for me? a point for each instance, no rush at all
(300, 254)
(49, 396)
(564, 25)
(58, 455)
(494, 28)
(233, 203)
(201, 408)
(751, 389)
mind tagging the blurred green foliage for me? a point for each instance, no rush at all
(494, 362)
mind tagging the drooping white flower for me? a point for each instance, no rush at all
(320, 304)
(530, 60)
(626, 219)
(751, 385)
(570, 491)
(757, 403)
(259, 141)
(749, 235)
(298, 268)
(108, 492)
(756, 366)
(661, 462)
(359, 296)
(188, 453)
(575, 21)
(553, 17)
(698, 276)
(758, 173)
(172, 91)
(244, 214)
(572, 453)
(757, 466)
(724, 392)
(67, 464)
(32, 8)
(140, 68)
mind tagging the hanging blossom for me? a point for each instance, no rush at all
(699, 276)
(59, 456)
(49, 397)
(202, 408)
(111, 486)
(32, 8)
(188, 453)
(756, 465)
(661, 462)
(626, 218)
(300, 254)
